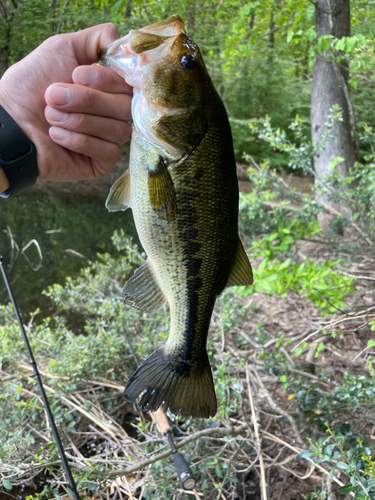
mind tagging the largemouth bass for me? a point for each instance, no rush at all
(182, 187)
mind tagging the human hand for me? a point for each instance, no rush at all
(90, 125)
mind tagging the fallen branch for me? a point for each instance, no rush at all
(263, 484)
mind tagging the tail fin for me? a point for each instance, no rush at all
(163, 379)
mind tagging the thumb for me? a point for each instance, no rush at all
(88, 43)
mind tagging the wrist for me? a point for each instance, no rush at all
(17, 156)
(4, 182)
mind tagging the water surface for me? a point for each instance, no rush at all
(70, 231)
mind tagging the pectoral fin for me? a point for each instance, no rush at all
(241, 273)
(161, 191)
(142, 290)
(119, 197)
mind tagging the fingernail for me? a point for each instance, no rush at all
(59, 134)
(54, 115)
(85, 75)
(59, 95)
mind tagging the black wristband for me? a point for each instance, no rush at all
(17, 155)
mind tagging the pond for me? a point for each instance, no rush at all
(69, 230)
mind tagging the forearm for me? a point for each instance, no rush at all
(4, 183)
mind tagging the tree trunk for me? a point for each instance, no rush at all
(128, 9)
(52, 23)
(271, 41)
(329, 87)
(191, 19)
(5, 11)
(252, 20)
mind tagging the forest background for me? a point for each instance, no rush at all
(292, 354)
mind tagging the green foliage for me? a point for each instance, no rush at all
(256, 74)
(318, 494)
(356, 390)
(69, 357)
(264, 81)
(353, 391)
(72, 358)
(321, 283)
(345, 452)
(356, 190)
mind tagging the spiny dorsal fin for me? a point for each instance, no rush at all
(142, 290)
(119, 197)
(161, 191)
(241, 273)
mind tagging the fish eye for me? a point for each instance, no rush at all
(188, 61)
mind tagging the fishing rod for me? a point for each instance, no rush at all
(32, 361)
(183, 470)
(184, 473)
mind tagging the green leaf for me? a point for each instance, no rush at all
(371, 343)
(332, 164)
(361, 495)
(91, 486)
(350, 42)
(7, 484)
(306, 454)
(328, 450)
(218, 471)
(342, 465)
(348, 488)
(298, 351)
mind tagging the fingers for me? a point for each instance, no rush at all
(108, 129)
(80, 99)
(88, 43)
(101, 78)
(90, 116)
(103, 152)
(82, 47)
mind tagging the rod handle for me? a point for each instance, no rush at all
(162, 421)
(184, 472)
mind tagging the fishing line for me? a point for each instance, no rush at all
(32, 361)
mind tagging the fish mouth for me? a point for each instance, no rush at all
(152, 43)
(144, 39)
(172, 26)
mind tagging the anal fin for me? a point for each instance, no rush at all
(241, 273)
(142, 290)
(119, 197)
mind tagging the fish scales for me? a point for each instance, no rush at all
(198, 247)
(183, 191)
